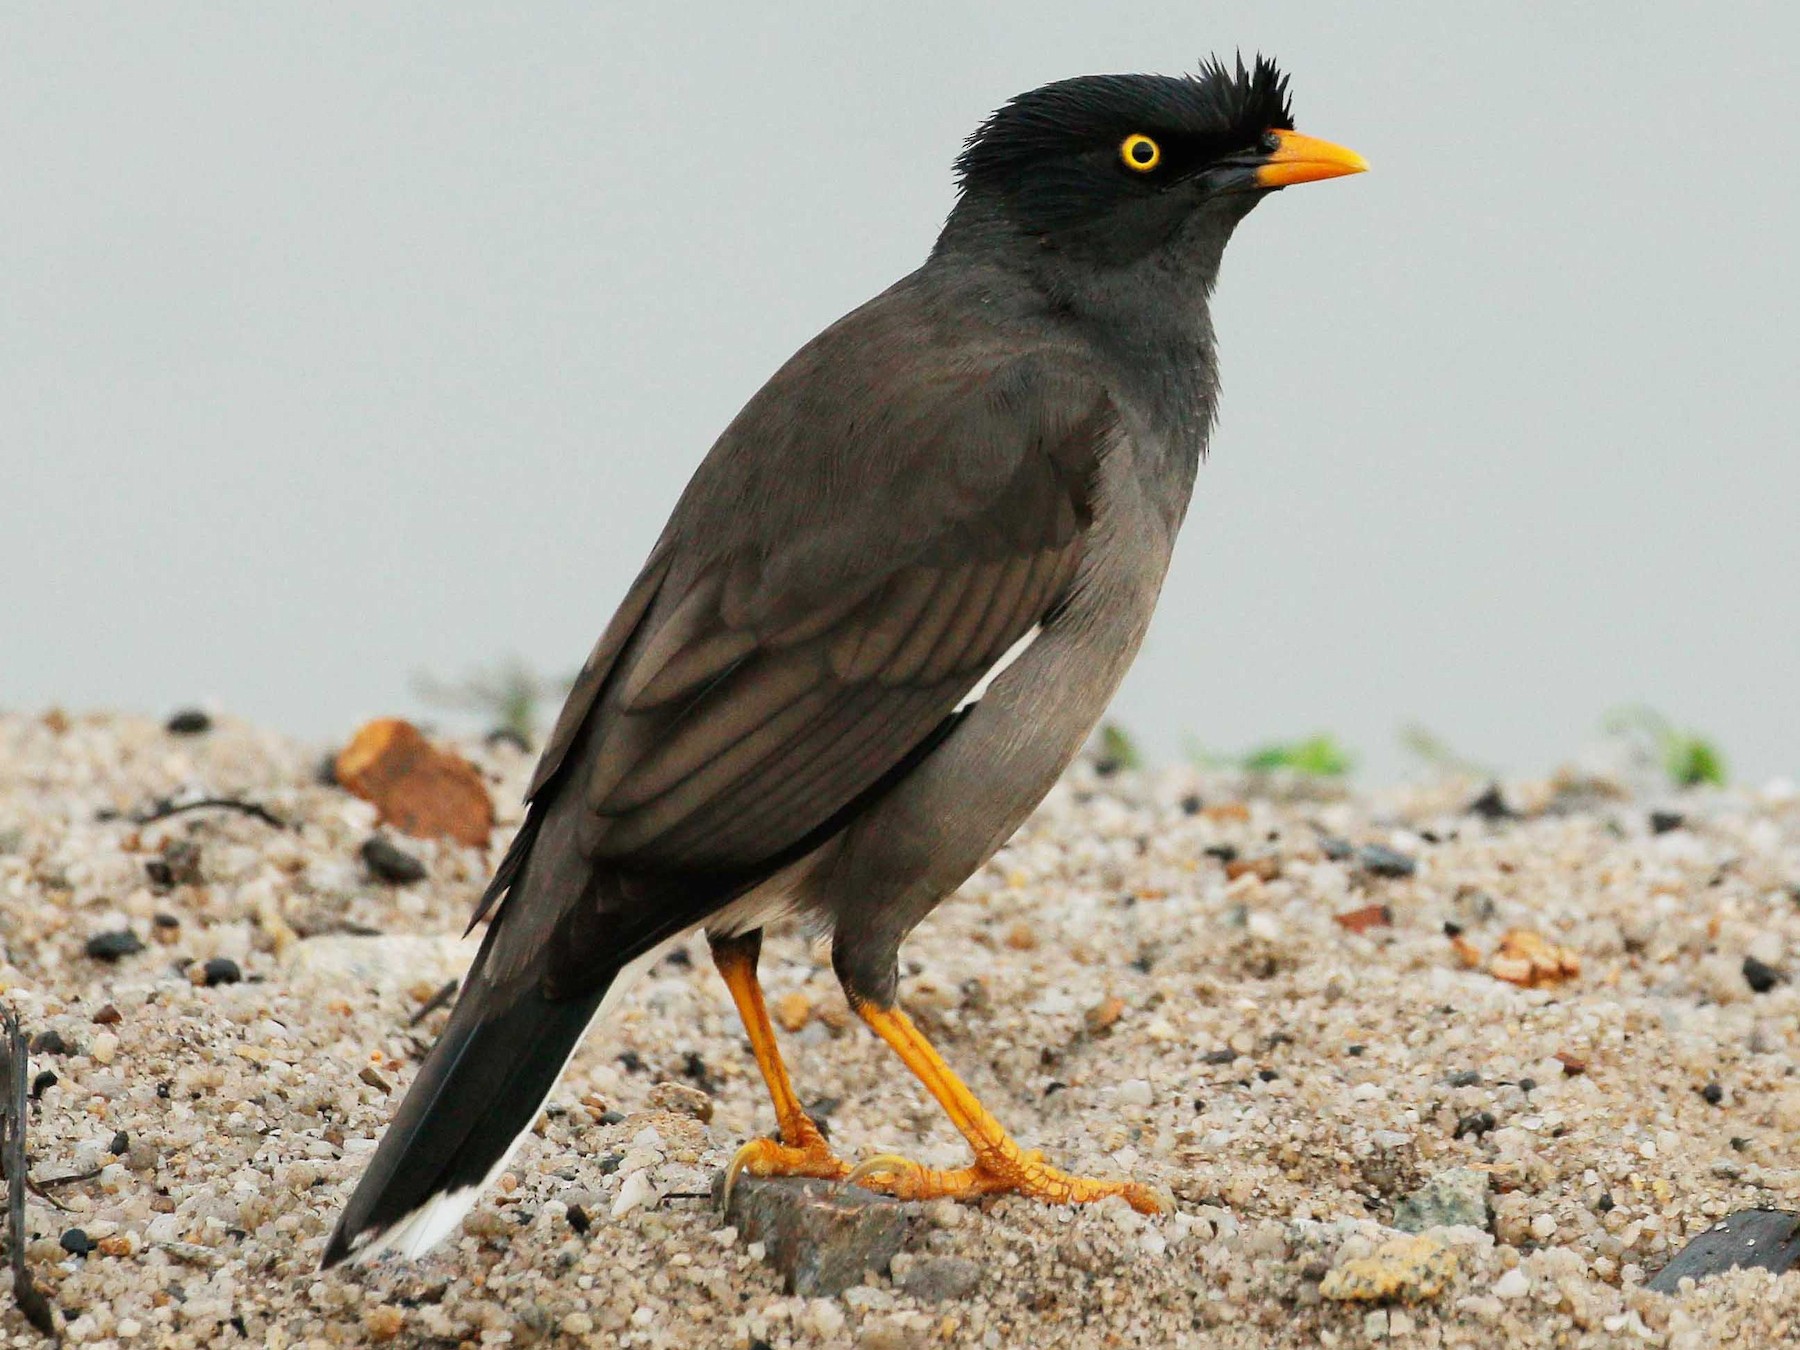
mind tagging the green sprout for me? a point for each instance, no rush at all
(1686, 757)
(1317, 756)
(1438, 754)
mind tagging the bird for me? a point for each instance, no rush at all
(883, 618)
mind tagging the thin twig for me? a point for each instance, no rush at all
(435, 1002)
(162, 810)
(41, 1191)
(13, 1115)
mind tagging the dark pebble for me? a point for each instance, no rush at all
(1713, 1093)
(1606, 1203)
(1760, 976)
(1464, 1078)
(386, 862)
(610, 1163)
(1754, 1239)
(108, 1016)
(157, 869)
(679, 959)
(1385, 862)
(1528, 1086)
(1267, 1075)
(188, 722)
(578, 1219)
(611, 1117)
(1356, 1051)
(1225, 853)
(120, 1145)
(1338, 850)
(1225, 1056)
(221, 970)
(631, 1061)
(75, 1242)
(1490, 805)
(43, 1083)
(112, 946)
(50, 1043)
(1191, 805)
(1661, 822)
(1452, 929)
(1477, 1124)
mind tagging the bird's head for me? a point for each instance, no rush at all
(1114, 168)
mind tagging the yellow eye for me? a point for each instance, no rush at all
(1140, 153)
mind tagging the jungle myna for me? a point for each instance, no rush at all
(885, 614)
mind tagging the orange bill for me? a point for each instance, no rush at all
(1302, 159)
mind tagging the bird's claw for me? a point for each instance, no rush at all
(772, 1158)
(885, 1164)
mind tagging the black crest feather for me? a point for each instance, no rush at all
(1229, 107)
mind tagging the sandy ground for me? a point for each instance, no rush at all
(1115, 995)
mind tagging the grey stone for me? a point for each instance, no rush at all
(1755, 1239)
(1383, 861)
(821, 1235)
(1458, 1196)
(942, 1279)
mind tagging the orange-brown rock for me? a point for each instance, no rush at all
(1362, 920)
(419, 789)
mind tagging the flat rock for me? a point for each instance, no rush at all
(822, 1236)
(1455, 1197)
(1408, 1269)
(418, 788)
(1753, 1239)
(942, 1279)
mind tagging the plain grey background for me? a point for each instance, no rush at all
(336, 345)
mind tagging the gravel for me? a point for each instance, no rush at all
(1110, 991)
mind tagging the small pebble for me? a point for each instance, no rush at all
(113, 945)
(220, 970)
(1383, 861)
(50, 1043)
(388, 862)
(1134, 1092)
(76, 1242)
(1513, 1284)
(188, 722)
(1760, 976)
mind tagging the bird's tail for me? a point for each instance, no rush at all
(476, 1095)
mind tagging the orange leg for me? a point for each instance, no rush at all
(800, 1150)
(1000, 1164)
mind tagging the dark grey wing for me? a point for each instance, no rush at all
(876, 530)
(782, 673)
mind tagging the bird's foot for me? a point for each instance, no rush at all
(765, 1157)
(1002, 1171)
